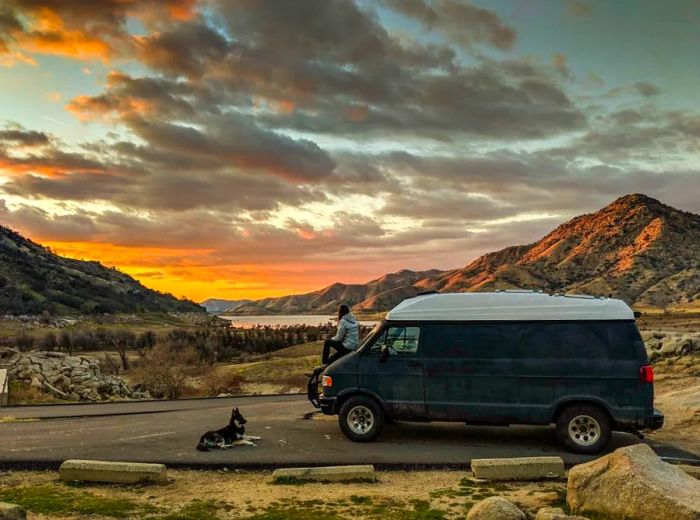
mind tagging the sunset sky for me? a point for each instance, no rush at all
(241, 149)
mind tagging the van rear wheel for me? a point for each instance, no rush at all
(583, 428)
(361, 419)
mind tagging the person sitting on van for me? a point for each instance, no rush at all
(346, 339)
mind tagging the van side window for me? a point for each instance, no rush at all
(400, 340)
(469, 340)
(563, 341)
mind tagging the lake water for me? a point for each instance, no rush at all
(281, 320)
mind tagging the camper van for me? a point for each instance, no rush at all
(509, 357)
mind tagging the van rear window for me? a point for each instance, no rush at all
(538, 340)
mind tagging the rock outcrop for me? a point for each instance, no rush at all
(11, 512)
(75, 378)
(660, 344)
(495, 508)
(555, 513)
(633, 483)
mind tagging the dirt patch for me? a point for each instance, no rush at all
(681, 408)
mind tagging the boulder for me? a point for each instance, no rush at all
(555, 513)
(495, 508)
(11, 512)
(633, 483)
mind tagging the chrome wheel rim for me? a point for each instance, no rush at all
(360, 419)
(584, 430)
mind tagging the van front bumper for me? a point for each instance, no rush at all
(654, 421)
(327, 404)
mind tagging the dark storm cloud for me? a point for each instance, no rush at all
(43, 157)
(166, 192)
(327, 66)
(236, 142)
(647, 89)
(460, 22)
(495, 99)
(187, 49)
(637, 134)
(18, 135)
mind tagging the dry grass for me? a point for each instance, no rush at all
(20, 393)
(416, 495)
(687, 320)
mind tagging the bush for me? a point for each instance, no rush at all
(218, 382)
(24, 341)
(164, 371)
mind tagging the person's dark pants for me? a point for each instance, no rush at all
(340, 351)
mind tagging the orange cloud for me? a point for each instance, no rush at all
(48, 35)
(286, 107)
(10, 167)
(95, 30)
(182, 10)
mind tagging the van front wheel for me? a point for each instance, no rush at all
(361, 419)
(583, 428)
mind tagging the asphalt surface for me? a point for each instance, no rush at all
(168, 431)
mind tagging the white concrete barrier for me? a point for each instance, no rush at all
(325, 474)
(113, 472)
(522, 468)
(4, 383)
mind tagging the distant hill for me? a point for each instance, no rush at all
(33, 280)
(636, 249)
(377, 292)
(218, 306)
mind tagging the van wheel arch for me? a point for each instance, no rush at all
(355, 393)
(559, 408)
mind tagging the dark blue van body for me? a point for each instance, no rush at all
(500, 373)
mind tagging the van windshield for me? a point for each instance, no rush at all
(369, 338)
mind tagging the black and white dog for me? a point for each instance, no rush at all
(228, 436)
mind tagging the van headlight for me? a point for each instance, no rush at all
(326, 381)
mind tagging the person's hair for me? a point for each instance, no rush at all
(342, 311)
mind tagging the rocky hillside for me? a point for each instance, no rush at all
(636, 248)
(33, 280)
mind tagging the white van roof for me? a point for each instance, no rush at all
(509, 306)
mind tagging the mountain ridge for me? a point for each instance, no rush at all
(33, 280)
(635, 248)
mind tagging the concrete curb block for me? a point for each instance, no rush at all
(4, 382)
(523, 468)
(112, 472)
(325, 474)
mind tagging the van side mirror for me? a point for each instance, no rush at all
(384, 354)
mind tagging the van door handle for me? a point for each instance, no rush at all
(414, 363)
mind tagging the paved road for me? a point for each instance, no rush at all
(168, 432)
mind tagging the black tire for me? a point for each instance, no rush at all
(361, 418)
(584, 428)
